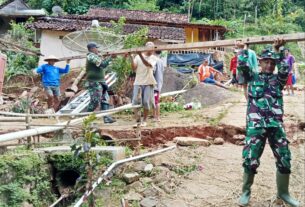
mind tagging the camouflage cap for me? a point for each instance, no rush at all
(268, 53)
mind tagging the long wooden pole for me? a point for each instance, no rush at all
(202, 45)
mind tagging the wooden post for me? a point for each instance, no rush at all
(27, 121)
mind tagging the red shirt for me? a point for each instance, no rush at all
(233, 64)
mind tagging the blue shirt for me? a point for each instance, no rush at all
(51, 74)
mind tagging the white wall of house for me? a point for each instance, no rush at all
(51, 44)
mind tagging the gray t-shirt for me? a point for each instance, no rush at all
(158, 74)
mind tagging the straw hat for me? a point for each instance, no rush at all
(51, 57)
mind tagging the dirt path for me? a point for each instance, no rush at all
(218, 182)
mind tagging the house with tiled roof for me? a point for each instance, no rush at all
(163, 28)
(18, 11)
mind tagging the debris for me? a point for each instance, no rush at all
(146, 180)
(148, 168)
(192, 105)
(133, 196)
(136, 186)
(150, 192)
(219, 141)
(139, 166)
(131, 177)
(149, 202)
(239, 137)
(190, 141)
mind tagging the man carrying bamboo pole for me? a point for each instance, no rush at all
(265, 120)
(51, 80)
(143, 89)
(96, 84)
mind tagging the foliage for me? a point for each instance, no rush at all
(144, 5)
(90, 160)
(170, 107)
(216, 120)
(18, 63)
(24, 178)
(301, 78)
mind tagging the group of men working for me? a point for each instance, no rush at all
(148, 67)
(264, 102)
(238, 76)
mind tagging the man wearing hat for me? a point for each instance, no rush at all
(96, 84)
(51, 79)
(265, 120)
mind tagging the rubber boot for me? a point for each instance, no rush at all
(248, 179)
(107, 119)
(282, 182)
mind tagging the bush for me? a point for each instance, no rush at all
(18, 63)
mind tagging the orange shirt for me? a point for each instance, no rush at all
(204, 72)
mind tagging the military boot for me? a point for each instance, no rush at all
(107, 119)
(248, 179)
(282, 181)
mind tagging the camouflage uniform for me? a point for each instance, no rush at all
(97, 96)
(96, 83)
(265, 115)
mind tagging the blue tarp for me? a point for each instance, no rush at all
(189, 59)
(192, 59)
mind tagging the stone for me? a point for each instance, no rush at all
(139, 166)
(156, 160)
(162, 176)
(148, 192)
(136, 186)
(146, 180)
(131, 177)
(219, 141)
(133, 196)
(190, 141)
(239, 137)
(149, 202)
(148, 168)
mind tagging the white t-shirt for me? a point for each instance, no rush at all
(144, 74)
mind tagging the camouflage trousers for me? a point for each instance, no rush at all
(97, 97)
(255, 144)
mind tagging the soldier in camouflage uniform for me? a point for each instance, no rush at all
(265, 120)
(96, 84)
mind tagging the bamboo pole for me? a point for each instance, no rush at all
(200, 45)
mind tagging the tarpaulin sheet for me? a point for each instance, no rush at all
(189, 59)
(193, 59)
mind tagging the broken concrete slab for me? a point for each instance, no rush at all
(118, 153)
(190, 141)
